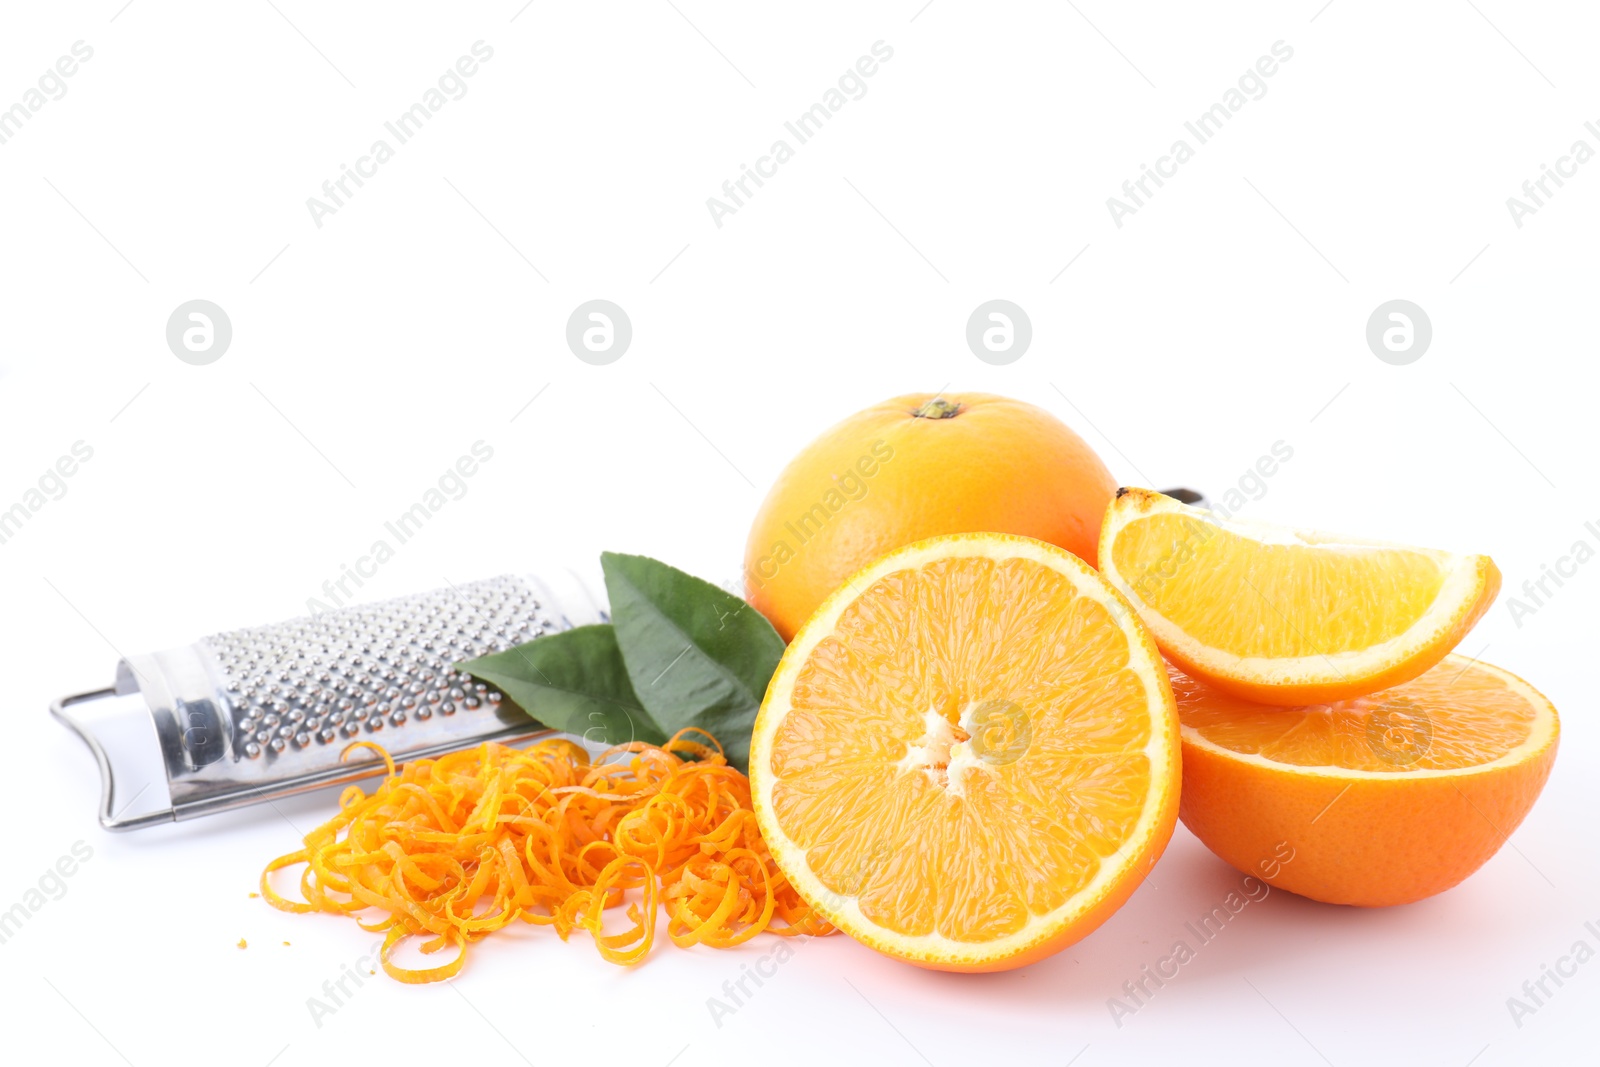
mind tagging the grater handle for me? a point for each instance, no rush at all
(108, 813)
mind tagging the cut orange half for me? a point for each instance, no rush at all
(1384, 799)
(968, 757)
(1286, 616)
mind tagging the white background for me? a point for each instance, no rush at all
(1227, 314)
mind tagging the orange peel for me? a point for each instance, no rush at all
(450, 850)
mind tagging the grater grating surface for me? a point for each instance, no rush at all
(341, 674)
(249, 715)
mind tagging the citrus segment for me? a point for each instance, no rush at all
(1371, 596)
(1285, 616)
(968, 757)
(1381, 799)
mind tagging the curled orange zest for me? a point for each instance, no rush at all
(449, 850)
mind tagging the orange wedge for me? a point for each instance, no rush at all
(1285, 616)
(1384, 799)
(968, 757)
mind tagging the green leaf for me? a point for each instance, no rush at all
(573, 681)
(696, 654)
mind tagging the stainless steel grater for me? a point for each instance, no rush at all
(253, 715)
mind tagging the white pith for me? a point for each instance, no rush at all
(843, 910)
(941, 755)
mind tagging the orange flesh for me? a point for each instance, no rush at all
(929, 841)
(1237, 591)
(1448, 718)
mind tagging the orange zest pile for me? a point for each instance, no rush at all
(452, 849)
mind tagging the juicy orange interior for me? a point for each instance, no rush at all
(966, 748)
(1241, 594)
(1452, 716)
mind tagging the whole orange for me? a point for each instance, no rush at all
(915, 467)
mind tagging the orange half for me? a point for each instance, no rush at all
(1286, 616)
(1383, 799)
(968, 757)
